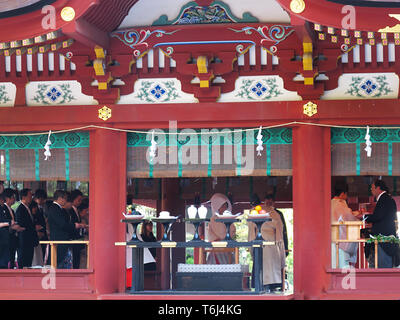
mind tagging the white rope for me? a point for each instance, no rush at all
(293, 123)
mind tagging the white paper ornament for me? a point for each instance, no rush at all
(153, 147)
(368, 143)
(259, 143)
(47, 152)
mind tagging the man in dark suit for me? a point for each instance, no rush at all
(60, 225)
(76, 197)
(28, 238)
(5, 223)
(40, 198)
(383, 222)
(9, 197)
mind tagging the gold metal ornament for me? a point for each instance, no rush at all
(297, 6)
(310, 109)
(68, 14)
(104, 113)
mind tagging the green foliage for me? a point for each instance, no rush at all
(382, 238)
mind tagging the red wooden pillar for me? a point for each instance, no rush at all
(107, 201)
(311, 210)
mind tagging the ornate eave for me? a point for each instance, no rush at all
(332, 14)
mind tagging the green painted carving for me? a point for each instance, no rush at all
(151, 91)
(192, 13)
(259, 89)
(58, 141)
(354, 135)
(273, 136)
(373, 87)
(47, 94)
(4, 95)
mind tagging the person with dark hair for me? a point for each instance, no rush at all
(148, 236)
(37, 251)
(9, 197)
(28, 238)
(75, 198)
(129, 199)
(60, 226)
(149, 254)
(83, 210)
(340, 212)
(255, 200)
(5, 223)
(270, 202)
(383, 222)
(40, 198)
(273, 263)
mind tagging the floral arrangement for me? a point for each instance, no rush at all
(133, 210)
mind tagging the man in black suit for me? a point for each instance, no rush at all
(9, 197)
(28, 238)
(60, 225)
(383, 222)
(76, 197)
(5, 223)
(40, 198)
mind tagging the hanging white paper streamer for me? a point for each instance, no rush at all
(368, 143)
(47, 152)
(153, 147)
(259, 143)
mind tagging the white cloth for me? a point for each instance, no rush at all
(273, 255)
(37, 256)
(377, 198)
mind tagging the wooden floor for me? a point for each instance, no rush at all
(200, 296)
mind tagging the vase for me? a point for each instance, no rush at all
(192, 211)
(202, 212)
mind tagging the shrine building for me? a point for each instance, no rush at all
(234, 97)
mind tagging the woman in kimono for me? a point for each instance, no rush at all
(216, 230)
(341, 212)
(273, 255)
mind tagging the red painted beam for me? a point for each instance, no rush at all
(198, 115)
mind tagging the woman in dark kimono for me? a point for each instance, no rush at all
(148, 236)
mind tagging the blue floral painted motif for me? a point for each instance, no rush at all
(259, 89)
(53, 94)
(264, 89)
(374, 87)
(368, 86)
(158, 91)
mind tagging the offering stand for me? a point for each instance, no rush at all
(138, 247)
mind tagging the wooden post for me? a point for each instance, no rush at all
(107, 202)
(236, 255)
(311, 159)
(337, 254)
(53, 249)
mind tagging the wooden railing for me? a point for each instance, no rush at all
(359, 241)
(53, 250)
